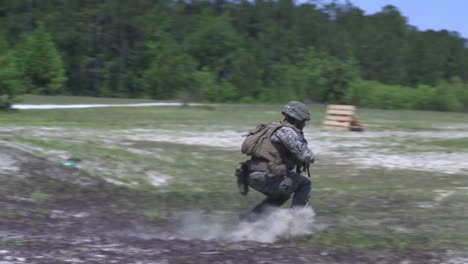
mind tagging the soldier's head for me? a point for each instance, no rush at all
(296, 113)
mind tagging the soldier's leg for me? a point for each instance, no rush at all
(259, 182)
(270, 188)
(278, 192)
(300, 185)
(272, 200)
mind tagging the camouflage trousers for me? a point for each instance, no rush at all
(279, 190)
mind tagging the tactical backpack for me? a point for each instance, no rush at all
(265, 155)
(253, 139)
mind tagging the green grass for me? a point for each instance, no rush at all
(206, 117)
(457, 144)
(142, 117)
(40, 99)
(39, 197)
(411, 120)
(370, 209)
(17, 243)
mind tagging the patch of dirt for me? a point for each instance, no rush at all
(53, 214)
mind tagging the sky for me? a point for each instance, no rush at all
(451, 15)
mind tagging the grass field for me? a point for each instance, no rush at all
(40, 99)
(400, 185)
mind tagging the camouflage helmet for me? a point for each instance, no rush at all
(296, 110)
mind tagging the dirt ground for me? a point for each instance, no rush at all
(53, 214)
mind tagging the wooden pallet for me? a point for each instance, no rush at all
(342, 118)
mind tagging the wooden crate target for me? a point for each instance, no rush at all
(342, 118)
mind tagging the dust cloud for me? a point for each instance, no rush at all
(278, 224)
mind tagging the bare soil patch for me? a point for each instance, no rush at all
(53, 214)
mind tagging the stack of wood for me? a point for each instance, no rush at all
(342, 118)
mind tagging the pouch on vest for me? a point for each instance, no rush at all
(277, 170)
(253, 138)
(242, 174)
(273, 169)
(263, 159)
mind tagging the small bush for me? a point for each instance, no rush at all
(443, 97)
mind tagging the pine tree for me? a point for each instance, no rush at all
(170, 73)
(41, 64)
(10, 76)
(3, 43)
(11, 84)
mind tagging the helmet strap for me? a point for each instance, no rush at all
(298, 124)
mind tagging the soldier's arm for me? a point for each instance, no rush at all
(294, 142)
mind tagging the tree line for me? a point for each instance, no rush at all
(229, 51)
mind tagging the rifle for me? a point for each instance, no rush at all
(303, 167)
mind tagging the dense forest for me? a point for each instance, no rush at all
(229, 51)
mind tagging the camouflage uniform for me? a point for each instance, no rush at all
(275, 150)
(279, 190)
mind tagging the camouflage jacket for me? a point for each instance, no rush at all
(294, 142)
